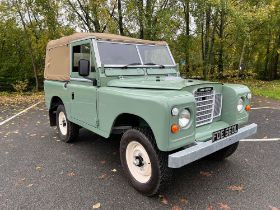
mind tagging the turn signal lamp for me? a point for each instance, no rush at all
(248, 108)
(175, 128)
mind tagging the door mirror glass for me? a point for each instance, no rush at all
(84, 67)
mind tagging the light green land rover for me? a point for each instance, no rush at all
(111, 84)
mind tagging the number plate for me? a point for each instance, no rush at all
(217, 135)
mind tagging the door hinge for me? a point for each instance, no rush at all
(97, 123)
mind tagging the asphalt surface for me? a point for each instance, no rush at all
(38, 171)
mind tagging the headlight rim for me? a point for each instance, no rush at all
(243, 104)
(249, 95)
(188, 119)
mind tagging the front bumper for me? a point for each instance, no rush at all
(201, 149)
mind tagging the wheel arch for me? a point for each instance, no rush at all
(124, 121)
(55, 102)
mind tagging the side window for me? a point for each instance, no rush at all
(81, 52)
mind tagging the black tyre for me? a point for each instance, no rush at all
(145, 166)
(224, 153)
(67, 130)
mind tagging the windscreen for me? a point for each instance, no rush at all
(125, 54)
(117, 54)
(155, 55)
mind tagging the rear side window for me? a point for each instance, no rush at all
(80, 52)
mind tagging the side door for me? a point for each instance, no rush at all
(83, 90)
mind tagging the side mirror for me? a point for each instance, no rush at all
(84, 67)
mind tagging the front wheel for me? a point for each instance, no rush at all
(144, 165)
(67, 130)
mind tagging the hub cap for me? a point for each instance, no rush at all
(138, 162)
(62, 123)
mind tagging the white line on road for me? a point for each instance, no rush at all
(265, 107)
(260, 140)
(25, 110)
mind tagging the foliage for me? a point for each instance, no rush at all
(209, 38)
(20, 86)
(269, 89)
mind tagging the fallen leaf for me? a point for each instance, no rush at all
(273, 208)
(183, 201)
(71, 174)
(163, 199)
(205, 173)
(210, 207)
(236, 188)
(114, 170)
(39, 168)
(30, 185)
(176, 208)
(223, 206)
(96, 206)
(102, 176)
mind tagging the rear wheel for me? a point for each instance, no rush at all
(224, 153)
(145, 166)
(67, 130)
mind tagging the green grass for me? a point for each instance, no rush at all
(270, 89)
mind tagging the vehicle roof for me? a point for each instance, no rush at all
(100, 36)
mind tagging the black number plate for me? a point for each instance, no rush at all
(217, 135)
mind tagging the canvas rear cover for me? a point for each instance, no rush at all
(57, 63)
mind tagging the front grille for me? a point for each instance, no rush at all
(208, 106)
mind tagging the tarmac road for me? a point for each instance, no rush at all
(37, 171)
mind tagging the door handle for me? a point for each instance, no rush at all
(65, 84)
(73, 96)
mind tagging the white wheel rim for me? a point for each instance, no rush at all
(62, 123)
(138, 162)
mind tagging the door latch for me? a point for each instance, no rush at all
(65, 84)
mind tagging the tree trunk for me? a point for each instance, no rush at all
(29, 46)
(221, 36)
(148, 17)
(211, 49)
(140, 6)
(240, 66)
(267, 57)
(96, 22)
(202, 41)
(120, 20)
(275, 59)
(186, 5)
(206, 47)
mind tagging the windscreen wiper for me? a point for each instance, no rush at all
(154, 64)
(131, 64)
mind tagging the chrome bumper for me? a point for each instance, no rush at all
(202, 149)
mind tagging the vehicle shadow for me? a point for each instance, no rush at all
(201, 177)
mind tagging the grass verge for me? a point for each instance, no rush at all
(270, 89)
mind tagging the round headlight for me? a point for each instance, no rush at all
(240, 104)
(175, 111)
(249, 95)
(184, 118)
